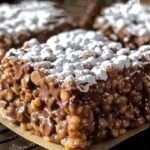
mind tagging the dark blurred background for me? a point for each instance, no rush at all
(101, 1)
(139, 142)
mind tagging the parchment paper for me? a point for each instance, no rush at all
(51, 146)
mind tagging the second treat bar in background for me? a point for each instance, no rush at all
(128, 23)
(30, 19)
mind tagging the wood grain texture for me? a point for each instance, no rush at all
(10, 141)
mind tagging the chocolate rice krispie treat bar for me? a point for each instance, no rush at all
(76, 89)
(30, 19)
(128, 23)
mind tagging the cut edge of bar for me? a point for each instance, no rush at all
(28, 136)
(52, 146)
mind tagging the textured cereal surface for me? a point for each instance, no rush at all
(79, 55)
(29, 16)
(131, 16)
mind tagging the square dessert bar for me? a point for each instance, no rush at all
(128, 23)
(25, 20)
(76, 89)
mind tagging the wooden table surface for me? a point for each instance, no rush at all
(10, 141)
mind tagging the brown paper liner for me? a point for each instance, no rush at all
(51, 146)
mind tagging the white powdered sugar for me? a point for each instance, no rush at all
(30, 16)
(79, 57)
(132, 16)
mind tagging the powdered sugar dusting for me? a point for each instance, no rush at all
(76, 56)
(132, 16)
(30, 16)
